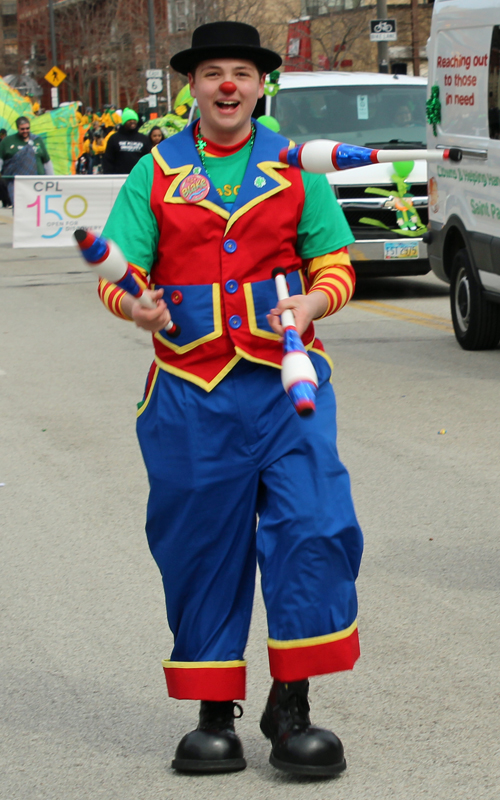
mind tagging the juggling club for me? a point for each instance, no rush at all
(112, 264)
(324, 155)
(298, 375)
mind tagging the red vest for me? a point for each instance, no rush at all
(215, 266)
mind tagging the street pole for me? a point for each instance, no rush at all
(415, 37)
(383, 47)
(54, 92)
(169, 90)
(152, 53)
(52, 33)
(152, 44)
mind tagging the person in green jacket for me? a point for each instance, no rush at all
(23, 154)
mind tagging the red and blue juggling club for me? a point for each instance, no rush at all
(114, 267)
(298, 375)
(324, 155)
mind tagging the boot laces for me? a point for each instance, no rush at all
(297, 706)
(219, 714)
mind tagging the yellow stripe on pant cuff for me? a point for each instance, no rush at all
(167, 664)
(289, 644)
(206, 680)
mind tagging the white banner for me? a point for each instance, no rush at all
(49, 208)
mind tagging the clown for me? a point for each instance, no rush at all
(236, 476)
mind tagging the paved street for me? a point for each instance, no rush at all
(85, 710)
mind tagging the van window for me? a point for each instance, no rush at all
(494, 85)
(364, 115)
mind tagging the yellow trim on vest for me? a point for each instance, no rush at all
(215, 334)
(247, 357)
(150, 392)
(268, 168)
(183, 172)
(214, 207)
(252, 321)
(277, 644)
(188, 376)
(163, 164)
(167, 664)
(256, 360)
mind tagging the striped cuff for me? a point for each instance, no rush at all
(297, 659)
(206, 680)
(337, 287)
(334, 276)
(112, 296)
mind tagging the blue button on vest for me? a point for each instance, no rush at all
(235, 321)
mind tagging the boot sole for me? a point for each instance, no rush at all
(308, 769)
(225, 765)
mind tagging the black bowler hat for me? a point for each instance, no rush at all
(225, 40)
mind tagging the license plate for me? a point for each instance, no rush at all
(400, 250)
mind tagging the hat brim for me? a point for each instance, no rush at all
(187, 60)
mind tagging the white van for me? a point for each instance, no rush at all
(385, 204)
(464, 199)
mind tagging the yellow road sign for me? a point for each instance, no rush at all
(55, 76)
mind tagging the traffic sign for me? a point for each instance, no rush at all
(154, 85)
(383, 30)
(55, 76)
(154, 73)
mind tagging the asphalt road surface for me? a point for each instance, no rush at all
(85, 710)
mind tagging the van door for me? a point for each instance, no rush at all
(465, 198)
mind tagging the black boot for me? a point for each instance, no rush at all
(297, 746)
(213, 746)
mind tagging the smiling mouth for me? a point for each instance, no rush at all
(227, 104)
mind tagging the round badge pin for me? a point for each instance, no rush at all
(194, 188)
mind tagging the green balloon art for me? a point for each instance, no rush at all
(271, 86)
(403, 168)
(408, 222)
(270, 122)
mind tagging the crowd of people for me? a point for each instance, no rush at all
(108, 141)
(113, 144)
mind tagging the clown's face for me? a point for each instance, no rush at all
(226, 90)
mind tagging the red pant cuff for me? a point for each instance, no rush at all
(297, 659)
(206, 680)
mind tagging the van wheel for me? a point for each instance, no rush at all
(476, 320)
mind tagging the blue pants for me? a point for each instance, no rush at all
(236, 477)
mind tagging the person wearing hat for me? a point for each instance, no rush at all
(236, 476)
(125, 147)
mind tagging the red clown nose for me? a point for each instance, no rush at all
(228, 87)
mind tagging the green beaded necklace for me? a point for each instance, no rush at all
(201, 145)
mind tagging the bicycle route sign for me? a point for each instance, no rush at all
(383, 30)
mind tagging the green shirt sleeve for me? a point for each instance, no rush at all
(323, 227)
(131, 223)
(3, 146)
